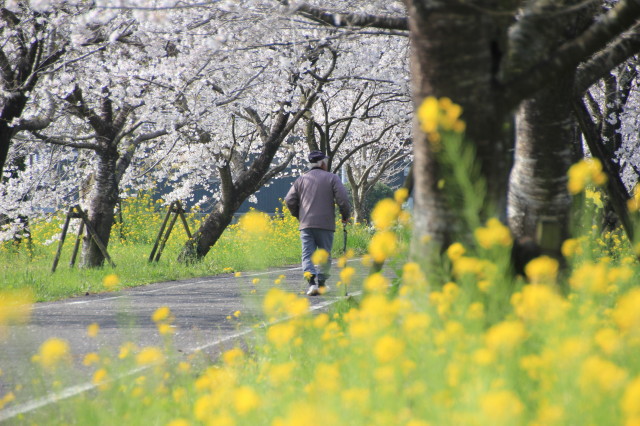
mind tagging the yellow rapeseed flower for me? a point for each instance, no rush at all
(99, 376)
(346, 275)
(53, 352)
(584, 172)
(626, 314)
(320, 257)
(111, 281)
(281, 334)
(280, 374)
(494, 234)
(161, 314)
(505, 336)
(538, 303)
(590, 277)
(92, 330)
(608, 340)
(376, 283)
(633, 204)
(382, 245)
(179, 422)
(90, 359)
(502, 407)
(385, 213)
(597, 374)
(571, 247)
(629, 402)
(278, 303)
(542, 270)
(233, 356)
(255, 222)
(388, 348)
(15, 307)
(150, 355)
(401, 195)
(245, 399)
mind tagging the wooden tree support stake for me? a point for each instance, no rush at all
(176, 208)
(76, 212)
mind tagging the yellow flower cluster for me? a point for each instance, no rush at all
(494, 234)
(437, 115)
(585, 172)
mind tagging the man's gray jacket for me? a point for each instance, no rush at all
(313, 197)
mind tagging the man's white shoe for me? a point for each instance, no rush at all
(313, 290)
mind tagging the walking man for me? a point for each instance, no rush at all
(312, 200)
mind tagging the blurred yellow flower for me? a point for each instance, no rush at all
(600, 374)
(320, 257)
(571, 247)
(53, 352)
(494, 234)
(608, 340)
(455, 251)
(279, 303)
(590, 277)
(99, 376)
(233, 356)
(111, 281)
(505, 336)
(150, 355)
(161, 314)
(502, 407)
(9, 397)
(401, 195)
(376, 283)
(15, 307)
(90, 359)
(385, 213)
(538, 303)
(281, 373)
(629, 402)
(92, 330)
(179, 422)
(584, 172)
(346, 275)
(126, 349)
(281, 334)
(245, 399)
(388, 348)
(542, 270)
(382, 245)
(626, 314)
(255, 222)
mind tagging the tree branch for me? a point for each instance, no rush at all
(569, 55)
(335, 19)
(625, 46)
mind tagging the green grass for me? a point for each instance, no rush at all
(24, 267)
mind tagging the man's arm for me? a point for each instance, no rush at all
(292, 201)
(341, 196)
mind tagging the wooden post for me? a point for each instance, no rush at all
(72, 262)
(164, 223)
(176, 208)
(62, 237)
(76, 212)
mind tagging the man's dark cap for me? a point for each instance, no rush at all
(315, 156)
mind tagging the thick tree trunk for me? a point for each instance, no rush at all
(104, 197)
(12, 109)
(456, 56)
(538, 196)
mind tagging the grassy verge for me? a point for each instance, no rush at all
(24, 267)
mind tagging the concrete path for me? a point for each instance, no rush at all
(204, 321)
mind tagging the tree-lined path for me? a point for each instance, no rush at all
(204, 321)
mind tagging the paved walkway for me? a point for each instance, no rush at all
(203, 310)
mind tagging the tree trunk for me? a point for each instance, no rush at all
(538, 196)
(456, 56)
(12, 109)
(104, 198)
